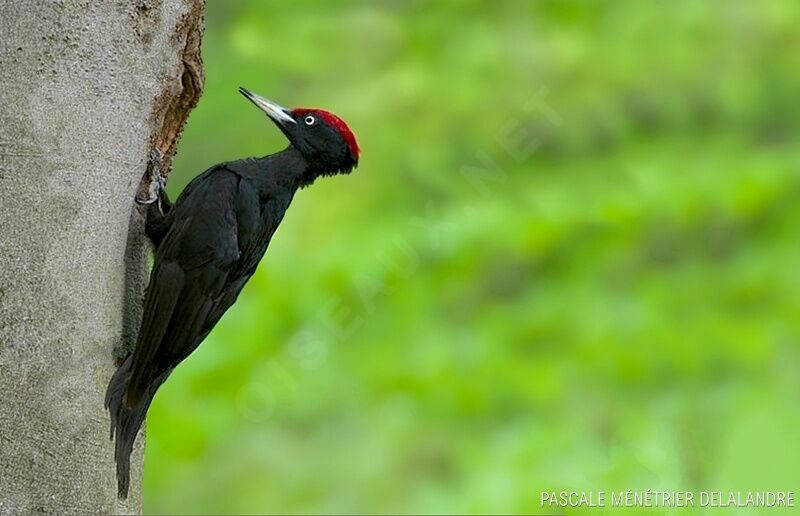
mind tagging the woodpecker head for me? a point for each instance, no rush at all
(321, 137)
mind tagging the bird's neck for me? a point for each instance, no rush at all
(282, 171)
(287, 169)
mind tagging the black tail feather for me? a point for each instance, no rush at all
(126, 421)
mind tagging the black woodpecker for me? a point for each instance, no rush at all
(207, 245)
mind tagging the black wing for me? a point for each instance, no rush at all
(192, 274)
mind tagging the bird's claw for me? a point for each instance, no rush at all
(157, 179)
(156, 157)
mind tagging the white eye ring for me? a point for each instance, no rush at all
(310, 120)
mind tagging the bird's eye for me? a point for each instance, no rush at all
(310, 120)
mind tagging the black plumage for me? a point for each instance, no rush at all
(208, 244)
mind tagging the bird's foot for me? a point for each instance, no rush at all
(157, 179)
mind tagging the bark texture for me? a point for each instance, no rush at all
(86, 89)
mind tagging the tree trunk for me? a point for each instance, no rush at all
(87, 88)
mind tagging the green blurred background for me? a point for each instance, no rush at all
(567, 260)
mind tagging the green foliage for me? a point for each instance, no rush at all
(568, 260)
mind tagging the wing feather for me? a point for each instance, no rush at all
(164, 292)
(190, 271)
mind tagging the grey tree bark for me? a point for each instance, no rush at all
(87, 88)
